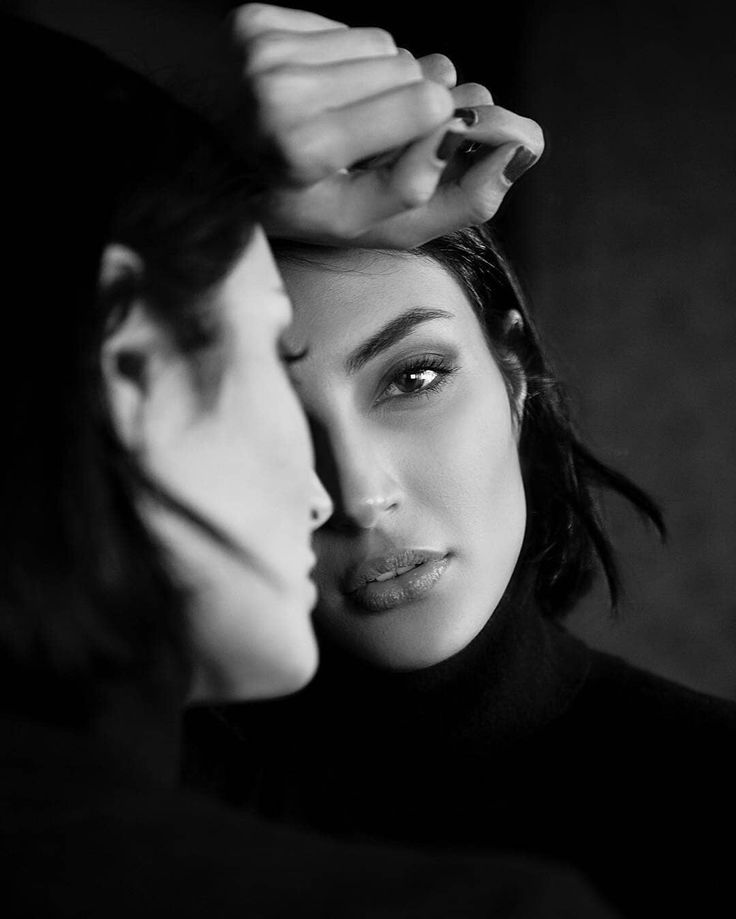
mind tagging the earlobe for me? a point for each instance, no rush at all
(130, 347)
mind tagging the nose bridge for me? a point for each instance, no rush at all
(355, 470)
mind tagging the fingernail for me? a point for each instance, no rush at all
(522, 159)
(468, 115)
(448, 145)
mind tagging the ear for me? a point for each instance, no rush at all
(132, 348)
(513, 326)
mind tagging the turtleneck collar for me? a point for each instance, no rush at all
(517, 674)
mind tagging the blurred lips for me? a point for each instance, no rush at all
(384, 582)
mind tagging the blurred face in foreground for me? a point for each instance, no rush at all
(417, 444)
(227, 436)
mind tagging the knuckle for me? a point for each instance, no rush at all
(308, 154)
(476, 94)
(379, 41)
(274, 90)
(433, 102)
(409, 68)
(260, 51)
(411, 189)
(415, 195)
(250, 19)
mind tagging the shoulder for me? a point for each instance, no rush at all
(191, 858)
(618, 684)
(632, 712)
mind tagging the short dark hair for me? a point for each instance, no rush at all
(94, 154)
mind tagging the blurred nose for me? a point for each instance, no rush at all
(320, 503)
(357, 476)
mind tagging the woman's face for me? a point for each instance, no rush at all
(417, 445)
(241, 457)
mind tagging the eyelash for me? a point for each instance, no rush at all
(416, 365)
(292, 357)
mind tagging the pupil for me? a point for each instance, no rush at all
(414, 381)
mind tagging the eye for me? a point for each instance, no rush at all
(290, 357)
(419, 376)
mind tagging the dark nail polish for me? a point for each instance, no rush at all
(448, 145)
(522, 159)
(468, 115)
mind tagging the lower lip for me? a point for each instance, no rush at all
(378, 596)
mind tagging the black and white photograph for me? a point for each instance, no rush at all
(369, 460)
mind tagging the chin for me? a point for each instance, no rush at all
(290, 674)
(401, 649)
(269, 676)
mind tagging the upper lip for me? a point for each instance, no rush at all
(359, 575)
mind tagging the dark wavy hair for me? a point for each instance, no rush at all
(565, 543)
(93, 154)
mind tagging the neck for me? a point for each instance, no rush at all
(517, 673)
(139, 725)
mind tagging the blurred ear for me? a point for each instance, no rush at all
(133, 347)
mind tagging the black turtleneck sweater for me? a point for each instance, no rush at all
(527, 741)
(92, 826)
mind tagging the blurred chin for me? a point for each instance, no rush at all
(263, 678)
(255, 650)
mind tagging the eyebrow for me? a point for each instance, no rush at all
(389, 334)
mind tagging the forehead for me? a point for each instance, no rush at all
(253, 295)
(340, 298)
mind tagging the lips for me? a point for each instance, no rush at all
(389, 581)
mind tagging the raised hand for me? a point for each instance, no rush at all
(360, 131)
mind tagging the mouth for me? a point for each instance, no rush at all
(392, 580)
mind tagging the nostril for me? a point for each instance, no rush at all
(322, 506)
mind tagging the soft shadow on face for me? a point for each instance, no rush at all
(242, 459)
(416, 442)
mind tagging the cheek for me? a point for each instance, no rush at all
(463, 462)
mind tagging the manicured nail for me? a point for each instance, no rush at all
(522, 159)
(468, 115)
(448, 145)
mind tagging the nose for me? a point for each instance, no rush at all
(357, 477)
(321, 506)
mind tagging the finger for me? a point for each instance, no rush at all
(439, 68)
(496, 126)
(476, 198)
(320, 146)
(478, 195)
(340, 209)
(252, 19)
(291, 95)
(278, 48)
(407, 184)
(471, 202)
(471, 94)
(415, 173)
